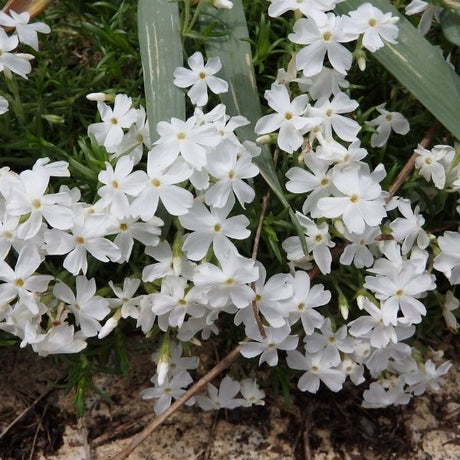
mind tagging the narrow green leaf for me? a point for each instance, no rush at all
(418, 66)
(161, 52)
(243, 98)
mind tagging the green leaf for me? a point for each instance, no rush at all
(161, 52)
(243, 97)
(418, 66)
(450, 23)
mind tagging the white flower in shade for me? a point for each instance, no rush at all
(374, 25)
(304, 300)
(270, 295)
(177, 363)
(174, 303)
(224, 398)
(185, 138)
(429, 10)
(211, 226)
(450, 304)
(429, 376)
(26, 32)
(4, 104)
(9, 62)
(288, 118)
(267, 347)
(448, 261)
(125, 298)
(119, 184)
(109, 132)
(200, 77)
(167, 263)
(385, 123)
(171, 388)
(317, 370)
(358, 200)
(322, 34)
(21, 282)
(433, 163)
(385, 393)
(326, 83)
(329, 112)
(333, 152)
(357, 252)
(87, 307)
(228, 284)
(252, 394)
(329, 343)
(86, 235)
(161, 185)
(230, 168)
(408, 229)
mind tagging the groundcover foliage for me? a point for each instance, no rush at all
(276, 176)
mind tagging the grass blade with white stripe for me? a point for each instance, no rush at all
(161, 52)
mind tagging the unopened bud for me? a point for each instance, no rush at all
(222, 4)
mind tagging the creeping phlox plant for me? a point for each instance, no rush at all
(198, 180)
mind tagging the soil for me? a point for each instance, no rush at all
(323, 426)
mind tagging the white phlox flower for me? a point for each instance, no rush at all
(267, 347)
(450, 304)
(125, 298)
(161, 186)
(448, 262)
(9, 62)
(373, 24)
(317, 370)
(326, 83)
(427, 376)
(333, 152)
(222, 398)
(4, 105)
(27, 33)
(429, 11)
(187, 139)
(120, 184)
(357, 199)
(211, 226)
(433, 163)
(322, 34)
(408, 229)
(109, 132)
(329, 112)
(200, 77)
(222, 4)
(385, 123)
(357, 252)
(307, 7)
(329, 343)
(288, 118)
(21, 283)
(384, 393)
(251, 393)
(87, 308)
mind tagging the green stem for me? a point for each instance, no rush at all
(16, 103)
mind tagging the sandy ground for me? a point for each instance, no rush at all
(327, 426)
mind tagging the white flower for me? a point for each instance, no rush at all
(429, 10)
(430, 377)
(9, 62)
(21, 282)
(433, 163)
(358, 200)
(224, 398)
(306, 7)
(27, 33)
(450, 304)
(325, 83)
(109, 132)
(322, 34)
(252, 394)
(222, 4)
(357, 251)
(4, 105)
(119, 184)
(267, 347)
(129, 304)
(374, 24)
(448, 261)
(316, 371)
(386, 122)
(87, 307)
(200, 78)
(162, 177)
(288, 118)
(385, 393)
(211, 226)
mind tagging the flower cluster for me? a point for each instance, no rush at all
(198, 174)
